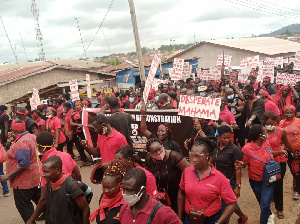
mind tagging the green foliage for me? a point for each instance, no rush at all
(114, 62)
(175, 47)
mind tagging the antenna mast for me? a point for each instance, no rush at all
(39, 36)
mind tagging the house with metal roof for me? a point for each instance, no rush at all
(207, 51)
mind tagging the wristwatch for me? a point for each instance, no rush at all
(239, 186)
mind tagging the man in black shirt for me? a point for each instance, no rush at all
(4, 118)
(164, 101)
(31, 126)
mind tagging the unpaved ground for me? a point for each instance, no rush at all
(247, 202)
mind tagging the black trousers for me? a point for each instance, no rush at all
(278, 190)
(77, 137)
(23, 201)
(61, 146)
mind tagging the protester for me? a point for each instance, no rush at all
(291, 124)
(164, 102)
(166, 166)
(68, 129)
(125, 154)
(23, 169)
(252, 81)
(65, 201)
(60, 108)
(132, 101)
(5, 190)
(225, 113)
(269, 104)
(53, 125)
(36, 116)
(111, 200)
(282, 98)
(109, 140)
(268, 86)
(201, 187)
(139, 205)
(66, 99)
(151, 102)
(4, 118)
(30, 125)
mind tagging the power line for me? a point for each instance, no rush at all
(84, 51)
(108, 10)
(10, 43)
(280, 6)
(23, 47)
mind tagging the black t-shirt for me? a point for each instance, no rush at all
(112, 216)
(167, 106)
(3, 118)
(224, 159)
(298, 108)
(122, 123)
(30, 125)
(170, 145)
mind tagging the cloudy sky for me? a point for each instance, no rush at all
(158, 22)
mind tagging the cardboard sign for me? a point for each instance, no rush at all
(250, 62)
(88, 86)
(156, 83)
(242, 77)
(154, 119)
(297, 61)
(152, 71)
(177, 69)
(227, 60)
(276, 61)
(267, 69)
(285, 79)
(187, 70)
(213, 74)
(74, 90)
(201, 107)
(35, 99)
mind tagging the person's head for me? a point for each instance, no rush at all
(67, 106)
(229, 93)
(199, 155)
(113, 102)
(201, 90)
(132, 97)
(13, 108)
(252, 79)
(270, 120)
(285, 91)
(266, 81)
(289, 112)
(258, 132)
(233, 76)
(65, 97)
(52, 169)
(78, 105)
(36, 114)
(155, 149)
(126, 155)
(130, 89)
(22, 112)
(51, 112)
(112, 178)
(227, 79)
(164, 132)
(59, 101)
(165, 88)
(85, 103)
(224, 101)
(173, 95)
(151, 95)
(198, 122)
(134, 185)
(248, 92)
(3, 108)
(225, 133)
(163, 98)
(18, 126)
(157, 94)
(209, 91)
(44, 141)
(191, 93)
(183, 91)
(101, 124)
(190, 83)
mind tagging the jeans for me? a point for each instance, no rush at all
(208, 220)
(263, 194)
(278, 190)
(4, 183)
(232, 184)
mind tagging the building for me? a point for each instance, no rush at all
(50, 79)
(207, 51)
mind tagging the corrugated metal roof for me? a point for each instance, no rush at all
(262, 45)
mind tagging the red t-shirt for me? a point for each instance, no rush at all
(275, 142)
(68, 116)
(271, 106)
(39, 123)
(227, 116)
(202, 191)
(110, 144)
(67, 161)
(151, 187)
(53, 124)
(164, 215)
(255, 167)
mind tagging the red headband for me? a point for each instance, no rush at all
(264, 92)
(165, 127)
(34, 114)
(268, 78)
(18, 126)
(85, 102)
(52, 108)
(23, 113)
(289, 107)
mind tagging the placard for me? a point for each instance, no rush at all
(267, 69)
(227, 60)
(297, 61)
(201, 107)
(152, 71)
(187, 70)
(250, 62)
(177, 69)
(88, 86)
(285, 79)
(276, 61)
(156, 83)
(35, 99)
(74, 90)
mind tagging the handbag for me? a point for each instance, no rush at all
(272, 170)
(3, 154)
(196, 216)
(163, 197)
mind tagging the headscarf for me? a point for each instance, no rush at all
(265, 93)
(85, 102)
(152, 91)
(288, 99)
(289, 106)
(284, 122)
(268, 78)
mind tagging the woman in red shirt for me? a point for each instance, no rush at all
(68, 128)
(53, 125)
(292, 126)
(36, 116)
(258, 148)
(276, 137)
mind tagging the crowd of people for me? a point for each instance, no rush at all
(199, 183)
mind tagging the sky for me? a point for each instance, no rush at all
(184, 21)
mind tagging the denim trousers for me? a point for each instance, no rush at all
(4, 183)
(264, 195)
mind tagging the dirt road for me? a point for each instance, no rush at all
(247, 202)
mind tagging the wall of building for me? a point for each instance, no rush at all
(21, 87)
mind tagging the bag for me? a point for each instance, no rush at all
(154, 210)
(196, 216)
(3, 154)
(163, 197)
(87, 191)
(272, 170)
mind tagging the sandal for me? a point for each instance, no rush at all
(280, 216)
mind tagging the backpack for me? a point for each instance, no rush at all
(272, 170)
(87, 191)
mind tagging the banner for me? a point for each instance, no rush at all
(177, 69)
(201, 107)
(227, 60)
(88, 86)
(297, 61)
(285, 79)
(74, 90)
(154, 119)
(35, 99)
(152, 71)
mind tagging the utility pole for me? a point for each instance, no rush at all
(137, 41)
